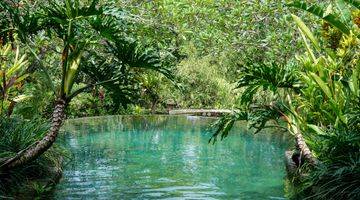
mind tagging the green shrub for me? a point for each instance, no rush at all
(204, 84)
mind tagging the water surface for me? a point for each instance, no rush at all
(161, 157)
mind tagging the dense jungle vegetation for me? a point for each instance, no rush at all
(293, 65)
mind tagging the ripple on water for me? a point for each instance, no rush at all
(168, 158)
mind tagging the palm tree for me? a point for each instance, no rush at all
(93, 43)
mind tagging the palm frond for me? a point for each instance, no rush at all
(22, 21)
(258, 117)
(266, 76)
(123, 85)
(131, 54)
(225, 123)
(321, 13)
(126, 50)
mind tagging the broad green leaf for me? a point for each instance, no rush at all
(316, 129)
(18, 65)
(319, 12)
(14, 69)
(344, 11)
(322, 85)
(71, 73)
(306, 31)
(354, 82)
(311, 54)
(6, 50)
(355, 3)
(328, 10)
(21, 97)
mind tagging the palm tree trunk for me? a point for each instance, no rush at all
(304, 150)
(294, 159)
(38, 148)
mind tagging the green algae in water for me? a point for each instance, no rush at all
(161, 157)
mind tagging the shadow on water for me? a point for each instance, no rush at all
(162, 157)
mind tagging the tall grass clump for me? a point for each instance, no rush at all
(15, 136)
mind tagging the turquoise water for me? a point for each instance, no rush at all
(162, 157)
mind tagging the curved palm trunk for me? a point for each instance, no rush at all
(304, 150)
(38, 148)
(293, 161)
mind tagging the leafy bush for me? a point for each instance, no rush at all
(204, 84)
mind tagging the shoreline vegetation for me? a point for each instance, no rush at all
(289, 65)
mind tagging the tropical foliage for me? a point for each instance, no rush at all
(317, 97)
(215, 35)
(78, 32)
(289, 65)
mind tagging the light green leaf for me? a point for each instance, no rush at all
(355, 3)
(311, 54)
(316, 129)
(319, 12)
(344, 11)
(306, 31)
(71, 73)
(354, 82)
(21, 98)
(322, 85)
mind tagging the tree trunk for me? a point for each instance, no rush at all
(38, 148)
(153, 106)
(304, 150)
(11, 108)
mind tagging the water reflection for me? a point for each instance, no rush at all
(162, 157)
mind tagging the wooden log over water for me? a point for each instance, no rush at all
(201, 112)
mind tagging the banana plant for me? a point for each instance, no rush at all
(90, 35)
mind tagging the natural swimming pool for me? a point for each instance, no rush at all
(162, 157)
